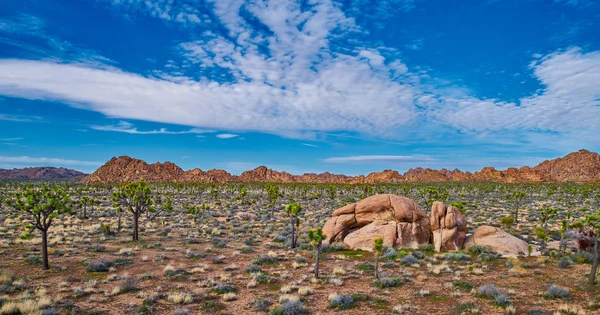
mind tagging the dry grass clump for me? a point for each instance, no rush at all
(180, 297)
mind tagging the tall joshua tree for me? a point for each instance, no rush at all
(43, 206)
(517, 198)
(136, 199)
(593, 221)
(292, 211)
(378, 249)
(316, 237)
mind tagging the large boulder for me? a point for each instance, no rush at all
(498, 240)
(398, 220)
(448, 227)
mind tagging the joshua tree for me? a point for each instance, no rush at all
(43, 205)
(431, 194)
(135, 198)
(517, 198)
(195, 210)
(292, 211)
(593, 222)
(316, 237)
(83, 203)
(546, 214)
(378, 249)
(273, 192)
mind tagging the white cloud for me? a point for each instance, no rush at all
(186, 14)
(314, 78)
(43, 161)
(301, 86)
(226, 136)
(310, 145)
(127, 127)
(10, 139)
(570, 99)
(380, 159)
(18, 118)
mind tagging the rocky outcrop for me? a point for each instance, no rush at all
(448, 227)
(398, 220)
(41, 173)
(580, 167)
(496, 239)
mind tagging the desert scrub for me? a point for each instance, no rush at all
(487, 290)
(128, 284)
(341, 301)
(388, 282)
(502, 300)
(228, 297)
(557, 292)
(223, 288)
(564, 262)
(409, 260)
(458, 256)
(334, 247)
(253, 268)
(180, 298)
(404, 309)
(266, 260)
(33, 260)
(289, 308)
(462, 285)
(365, 267)
(261, 305)
(99, 265)
(304, 291)
(170, 271)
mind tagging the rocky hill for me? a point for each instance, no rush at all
(40, 173)
(580, 167)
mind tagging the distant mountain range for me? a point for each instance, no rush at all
(580, 167)
(40, 173)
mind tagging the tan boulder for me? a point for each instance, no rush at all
(448, 227)
(363, 237)
(498, 240)
(399, 220)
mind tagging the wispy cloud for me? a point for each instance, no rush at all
(360, 159)
(226, 135)
(127, 127)
(18, 118)
(45, 161)
(10, 139)
(18, 32)
(310, 145)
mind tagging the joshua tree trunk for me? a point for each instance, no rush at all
(592, 279)
(135, 226)
(293, 245)
(46, 266)
(317, 261)
(377, 267)
(84, 211)
(119, 223)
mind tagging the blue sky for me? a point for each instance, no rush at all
(302, 86)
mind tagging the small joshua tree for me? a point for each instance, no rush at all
(195, 210)
(378, 249)
(546, 214)
(136, 198)
(43, 205)
(593, 221)
(316, 237)
(292, 211)
(517, 198)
